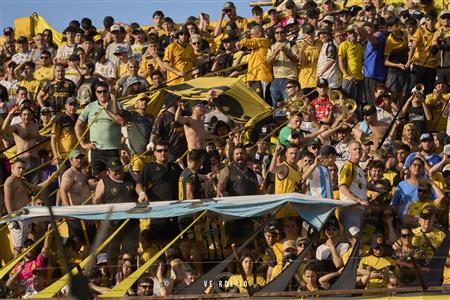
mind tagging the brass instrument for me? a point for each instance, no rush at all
(346, 105)
(419, 88)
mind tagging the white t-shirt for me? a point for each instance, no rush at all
(106, 69)
(323, 252)
(19, 58)
(64, 51)
(332, 75)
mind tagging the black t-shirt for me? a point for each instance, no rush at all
(166, 128)
(86, 91)
(3, 94)
(160, 182)
(416, 115)
(58, 92)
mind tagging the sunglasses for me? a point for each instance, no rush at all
(161, 150)
(405, 235)
(196, 43)
(315, 147)
(102, 91)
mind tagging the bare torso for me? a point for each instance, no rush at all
(18, 195)
(25, 137)
(78, 190)
(195, 134)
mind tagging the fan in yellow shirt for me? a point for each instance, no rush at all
(253, 281)
(309, 50)
(259, 71)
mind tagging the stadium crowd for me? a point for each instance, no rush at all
(360, 97)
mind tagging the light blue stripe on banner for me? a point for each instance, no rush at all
(323, 182)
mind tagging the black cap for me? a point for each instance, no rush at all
(322, 82)
(427, 212)
(314, 141)
(332, 222)
(368, 110)
(272, 228)
(114, 164)
(307, 28)
(378, 241)
(228, 5)
(372, 22)
(326, 30)
(71, 100)
(328, 150)
(345, 128)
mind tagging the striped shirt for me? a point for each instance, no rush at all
(319, 184)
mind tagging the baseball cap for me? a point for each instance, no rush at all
(307, 28)
(153, 31)
(354, 231)
(344, 128)
(302, 240)
(371, 22)
(71, 100)
(102, 258)
(378, 241)
(332, 222)
(114, 164)
(314, 141)
(97, 38)
(324, 30)
(322, 82)
(133, 80)
(180, 31)
(427, 212)
(444, 12)
(272, 10)
(116, 27)
(446, 169)
(8, 31)
(45, 109)
(120, 49)
(328, 19)
(328, 150)
(425, 136)
(368, 110)
(350, 28)
(289, 244)
(271, 227)
(228, 5)
(365, 141)
(75, 153)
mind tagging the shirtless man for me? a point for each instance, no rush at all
(370, 126)
(16, 197)
(75, 189)
(194, 126)
(25, 136)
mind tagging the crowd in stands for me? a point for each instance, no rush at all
(360, 97)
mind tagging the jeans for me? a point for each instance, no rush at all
(278, 90)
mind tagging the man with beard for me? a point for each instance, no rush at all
(288, 178)
(426, 152)
(237, 179)
(54, 93)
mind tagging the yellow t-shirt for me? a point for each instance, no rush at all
(424, 40)
(238, 281)
(291, 183)
(258, 68)
(64, 130)
(446, 273)
(146, 61)
(279, 268)
(397, 48)
(414, 208)
(435, 237)
(353, 177)
(44, 73)
(147, 254)
(32, 87)
(182, 59)
(353, 55)
(376, 264)
(308, 70)
(121, 70)
(438, 123)
(363, 251)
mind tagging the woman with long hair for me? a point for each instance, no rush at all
(410, 137)
(253, 281)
